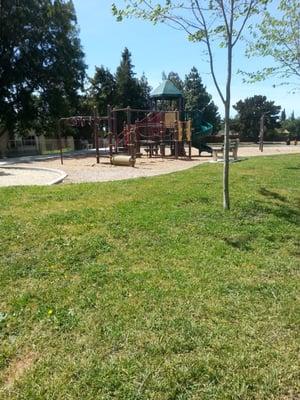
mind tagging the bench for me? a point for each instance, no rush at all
(233, 150)
(85, 145)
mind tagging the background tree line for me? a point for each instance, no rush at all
(122, 89)
(277, 125)
(43, 77)
(42, 66)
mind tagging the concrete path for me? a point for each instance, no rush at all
(15, 175)
(82, 166)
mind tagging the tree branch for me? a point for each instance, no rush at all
(211, 61)
(251, 5)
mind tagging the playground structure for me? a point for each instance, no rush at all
(164, 131)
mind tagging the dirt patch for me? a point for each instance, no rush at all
(291, 396)
(18, 367)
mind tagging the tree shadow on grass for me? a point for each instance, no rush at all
(290, 214)
(297, 167)
(295, 253)
(281, 208)
(240, 242)
(273, 195)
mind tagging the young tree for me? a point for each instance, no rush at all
(279, 38)
(251, 110)
(198, 102)
(208, 22)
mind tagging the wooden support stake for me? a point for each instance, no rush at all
(176, 139)
(96, 136)
(60, 143)
(261, 132)
(110, 125)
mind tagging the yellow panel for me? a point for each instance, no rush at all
(170, 118)
(180, 131)
(188, 130)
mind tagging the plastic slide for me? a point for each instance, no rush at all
(201, 130)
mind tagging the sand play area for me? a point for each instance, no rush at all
(83, 168)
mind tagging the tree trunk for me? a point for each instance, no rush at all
(226, 200)
(4, 138)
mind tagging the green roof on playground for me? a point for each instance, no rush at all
(166, 90)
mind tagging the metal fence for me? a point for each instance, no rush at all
(40, 145)
(20, 147)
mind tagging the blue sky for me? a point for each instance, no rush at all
(159, 48)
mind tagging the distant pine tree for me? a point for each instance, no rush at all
(102, 89)
(198, 101)
(176, 80)
(145, 91)
(128, 91)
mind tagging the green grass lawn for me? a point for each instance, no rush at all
(147, 289)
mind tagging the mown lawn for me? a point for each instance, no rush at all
(147, 289)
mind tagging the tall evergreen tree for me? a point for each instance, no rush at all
(102, 89)
(66, 69)
(175, 78)
(198, 102)
(283, 115)
(41, 62)
(145, 91)
(128, 92)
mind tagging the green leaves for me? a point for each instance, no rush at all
(143, 10)
(41, 63)
(198, 36)
(250, 111)
(198, 102)
(278, 37)
(116, 12)
(129, 90)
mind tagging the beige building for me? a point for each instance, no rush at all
(32, 144)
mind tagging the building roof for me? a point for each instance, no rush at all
(282, 130)
(166, 90)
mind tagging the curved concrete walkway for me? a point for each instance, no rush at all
(16, 175)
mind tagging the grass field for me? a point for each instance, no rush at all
(147, 289)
